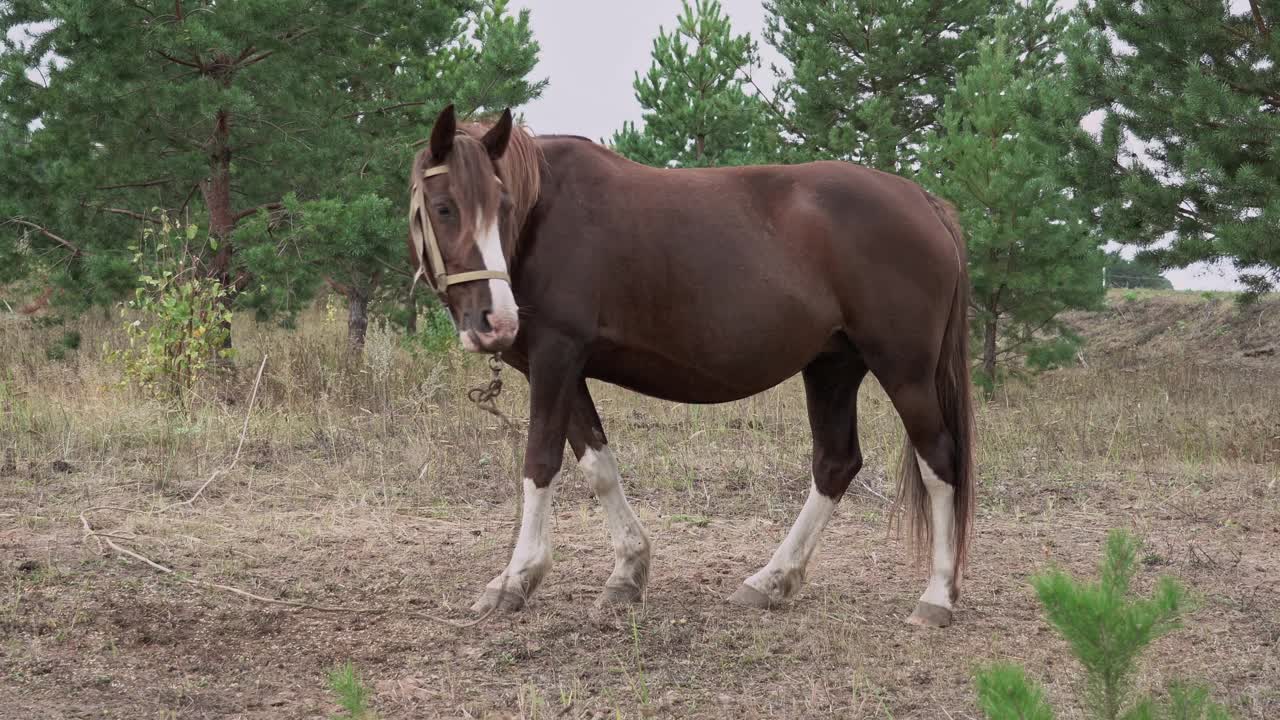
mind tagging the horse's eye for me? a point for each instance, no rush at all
(443, 210)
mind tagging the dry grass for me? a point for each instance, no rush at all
(374, 483)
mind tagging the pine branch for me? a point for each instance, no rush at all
(286, 38)
(1027, 338)
(340, 288)
(777, 112)
(197, 65)
(255, 59)
(23, 78)
(127, 213)
(381, 110)
(395, 270)
(142, 184)
(253, 211)
(75, 251)
(143, 8)
(190, 194)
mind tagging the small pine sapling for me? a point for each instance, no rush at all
(352, 694)
(1107, 629)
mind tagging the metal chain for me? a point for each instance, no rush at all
(485, 396)
(481, 394)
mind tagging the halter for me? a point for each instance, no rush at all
(427, 250)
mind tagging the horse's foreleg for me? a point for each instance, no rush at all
(831, 391)
(552, 379)
(781, 579)
(630, 545)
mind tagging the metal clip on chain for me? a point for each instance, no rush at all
(488, 393)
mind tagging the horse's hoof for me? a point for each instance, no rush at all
(747, 596)
(618, 595)
(492, 600)
(930, 615)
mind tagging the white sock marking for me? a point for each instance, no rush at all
(533, 548)
(630, 545)
(941, 498)
(793, 555)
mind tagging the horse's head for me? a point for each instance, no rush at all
(461, 230)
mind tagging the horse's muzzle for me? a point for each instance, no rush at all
(489, 331)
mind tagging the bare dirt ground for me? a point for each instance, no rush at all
(388, 493)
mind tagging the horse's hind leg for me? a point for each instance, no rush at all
(630, 545)
(930, 467)
(831, 390)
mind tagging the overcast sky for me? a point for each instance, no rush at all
(591, 51)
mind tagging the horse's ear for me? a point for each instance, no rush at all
(495, 141)
(442, 134)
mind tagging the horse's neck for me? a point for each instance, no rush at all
(561, 151)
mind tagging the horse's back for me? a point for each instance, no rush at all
(734, 278)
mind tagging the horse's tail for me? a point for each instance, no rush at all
(953, 387)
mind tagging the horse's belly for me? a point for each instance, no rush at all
(713, 332)
(713, 376)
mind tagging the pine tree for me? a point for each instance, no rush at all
(697, 112)
(1107, 629)
(1188, 153)
(1136, 273)
(869, 77)
(1031, 253)
(218, 110)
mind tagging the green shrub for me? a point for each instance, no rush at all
(436, 333)
(1107, 629)
(181, 318)
(69, 342)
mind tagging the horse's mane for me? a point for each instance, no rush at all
(520, 167)
(562, 136)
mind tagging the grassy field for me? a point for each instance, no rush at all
(373, 484)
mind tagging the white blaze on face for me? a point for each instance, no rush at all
(503, 317)
(942, 510)
(504, 303)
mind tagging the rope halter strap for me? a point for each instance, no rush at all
(426, 248)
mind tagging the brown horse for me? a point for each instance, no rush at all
(704, 286)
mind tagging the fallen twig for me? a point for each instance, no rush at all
(107, 540)
(104, 537)
(873, 491)
(244, 430)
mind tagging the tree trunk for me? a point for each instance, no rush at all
(989, 332)
(357, 321)
(217, 199)
(411, 324)
(217, 196)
